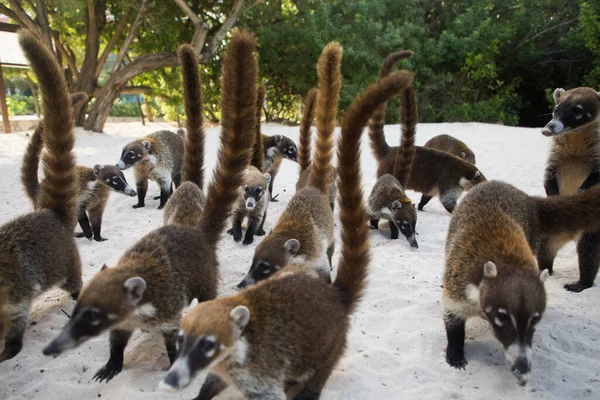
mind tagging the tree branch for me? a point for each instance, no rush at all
(135, 27)
(24, 20)
(42, 18)
(226, 27)
(200, 27)
(112, 42)
(525, 41)
(67, 54)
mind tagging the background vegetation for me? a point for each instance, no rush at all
(476, 60)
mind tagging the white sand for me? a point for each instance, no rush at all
(397, 339)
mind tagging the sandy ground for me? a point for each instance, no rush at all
(396, 345)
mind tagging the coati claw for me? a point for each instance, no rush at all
(230, 231)
(576, 287)
(260, 232)
(106, 373)
(247, 241)
(458, 363)
(274, 198)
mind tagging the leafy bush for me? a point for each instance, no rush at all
(20, 105)
(122, 108)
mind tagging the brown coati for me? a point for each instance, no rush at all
(159, 275)
(388, 200)
(186, 204)
(37, 250)
(4, 310)
(158, 157)
(433, 173)
(305, 149)
(573, 165)
(451, 145)
(276, 148)
(491, 270)
(283, 337)
(253, 198)
(94, 187)
(304, 231)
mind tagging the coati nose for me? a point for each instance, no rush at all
(548, 129)
(52, 349)
(413, 242)
(521, 370)
(242, 284)
(172, 380)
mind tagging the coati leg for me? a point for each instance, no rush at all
(84, 223)
(550, 181)
(314, 386)
(393, 230)
(592, 180)
(13, 341)
(374, 223)
(118, 341)
(212, 386)
(261, 231)
(170, 338)
(96, 221)
(165, 192)
(455, 332)
(261, 391)
(177, 181)
(236, 229)
(271, 197)
(588, 249)
(450, 198)
(424, 200)
(142, 188)
(546, 254)
(253, 225)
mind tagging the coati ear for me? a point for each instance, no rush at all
(557, 94)
(477, 174)
(463, 154)
(278, 139)
(97, 169)
(396, 205)
(268, 178)
(544, 275)
(134, 289)
(104, 266)
(147, 145)
(239, 317)
(489, 270)
(193, 303)
(292, 246)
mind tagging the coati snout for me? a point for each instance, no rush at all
(573, 109)
(114, 179)
(133, 153)
(287, 147)
(514, 307)
(404, 216)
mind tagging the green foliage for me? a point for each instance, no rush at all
(122, 108)
(19, 104)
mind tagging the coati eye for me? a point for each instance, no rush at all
(258, 190)
(131, 154)
(246, 188)
(265, 267)
(535, 318)
(577, 110)
(92, 315)
(502, 317)
(208, 345)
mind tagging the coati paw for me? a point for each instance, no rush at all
(577, 287)
(138, 206)
(100, 239)
(247, 241)
(107, 372)
(161, 207)
(260, 232)
(274, 198)
(79, 235)
(230, 231)
(237, 236)
(457, 362)
(156, 197)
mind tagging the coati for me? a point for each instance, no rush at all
(304, 231)
(159, 276)
(253, 197)
(283, 337)
(304, 150)
(276, 148)
(94, 187)
(491, 270)
(388, 199)
(433, 173)
(451, 145)
(573, 165)
(186, 204)
(157, 156)
(37, 250)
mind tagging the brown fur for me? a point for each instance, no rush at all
(330, 82)
(37, 250)
(258, 156)
(295, 320)
(185, 206)
(377, 121)
(276, 148)
(254, 190)
(497, 222)
(158, 276)
(573, 165)
(451, 145)
(409, 118)
(305, 142)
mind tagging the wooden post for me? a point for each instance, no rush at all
(137, 100)
(3, 106)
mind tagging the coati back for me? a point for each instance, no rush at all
(573, 166)
(433, 173)
(253, 198)
(185, 206)
(158, 157)
(491, 270)
(388, 199)
(94, 186)
(283, 337)
(276, 148)
(159, 275)
(37, 250)
(305, 150)
(304, 231)
(451, 145)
